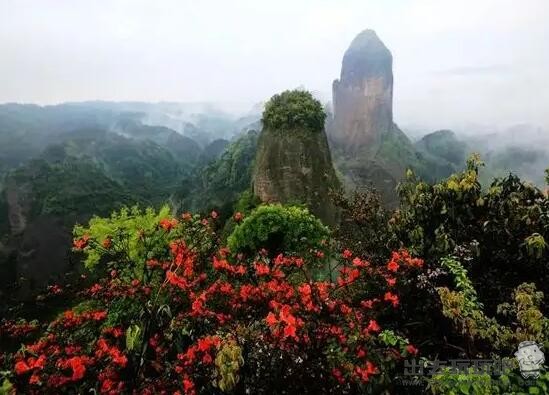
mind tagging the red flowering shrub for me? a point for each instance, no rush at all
(176, 315)
(17, 329)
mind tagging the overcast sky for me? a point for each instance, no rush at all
(456, 62)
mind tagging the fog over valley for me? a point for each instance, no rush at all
(460, 65)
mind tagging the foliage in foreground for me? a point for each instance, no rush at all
(491, 339)
(503, 227)
(279, 229)
(175, 313)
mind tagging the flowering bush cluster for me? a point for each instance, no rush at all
(176, 313)
(17, 329)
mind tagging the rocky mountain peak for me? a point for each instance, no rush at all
(363, 96)
(369, 148)
(366, 57)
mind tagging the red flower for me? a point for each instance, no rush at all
(188, 385)
(338, 375)
(416, 262)
(107, 385)
(364, 373)
(55, 289)
(95, 289)
(21, 367)
(305, 291)
(39, 363)
(392, 266)
(271, 319)
(373, 326)
(357, 262)
(289, 331)
(78, 368)
(34, 379)
(207, 359)
(261, 270)
(214, 214)
(391, 281)
(82, 242)
(348, 276)
(168, 224)
(174, 279)
(347, 254)
(390, 297)
(411, 349)
(286, 315)
(118, 357)
(99, 315)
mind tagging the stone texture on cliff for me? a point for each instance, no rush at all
(369, 149)
(363, 96)
(295, 166)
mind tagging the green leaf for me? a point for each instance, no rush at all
(464, 388)
(133, 337)
(6, 387)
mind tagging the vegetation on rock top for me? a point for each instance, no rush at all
(295, 109)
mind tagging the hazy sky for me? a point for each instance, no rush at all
(455, 62)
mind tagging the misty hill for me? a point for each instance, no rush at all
(444, 151)
(62, 164)
(150, 170)
(521, 150)
(219, 183)
(184, 148)
(26, 129)
(87, 174)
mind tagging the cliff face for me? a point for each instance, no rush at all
(369, 149)
(363, 96)
(296, 167)
(293, 163)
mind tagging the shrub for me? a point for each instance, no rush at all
(483, 335)
(189, 322)
(505, 226)
(294, 110)
(279, 229)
